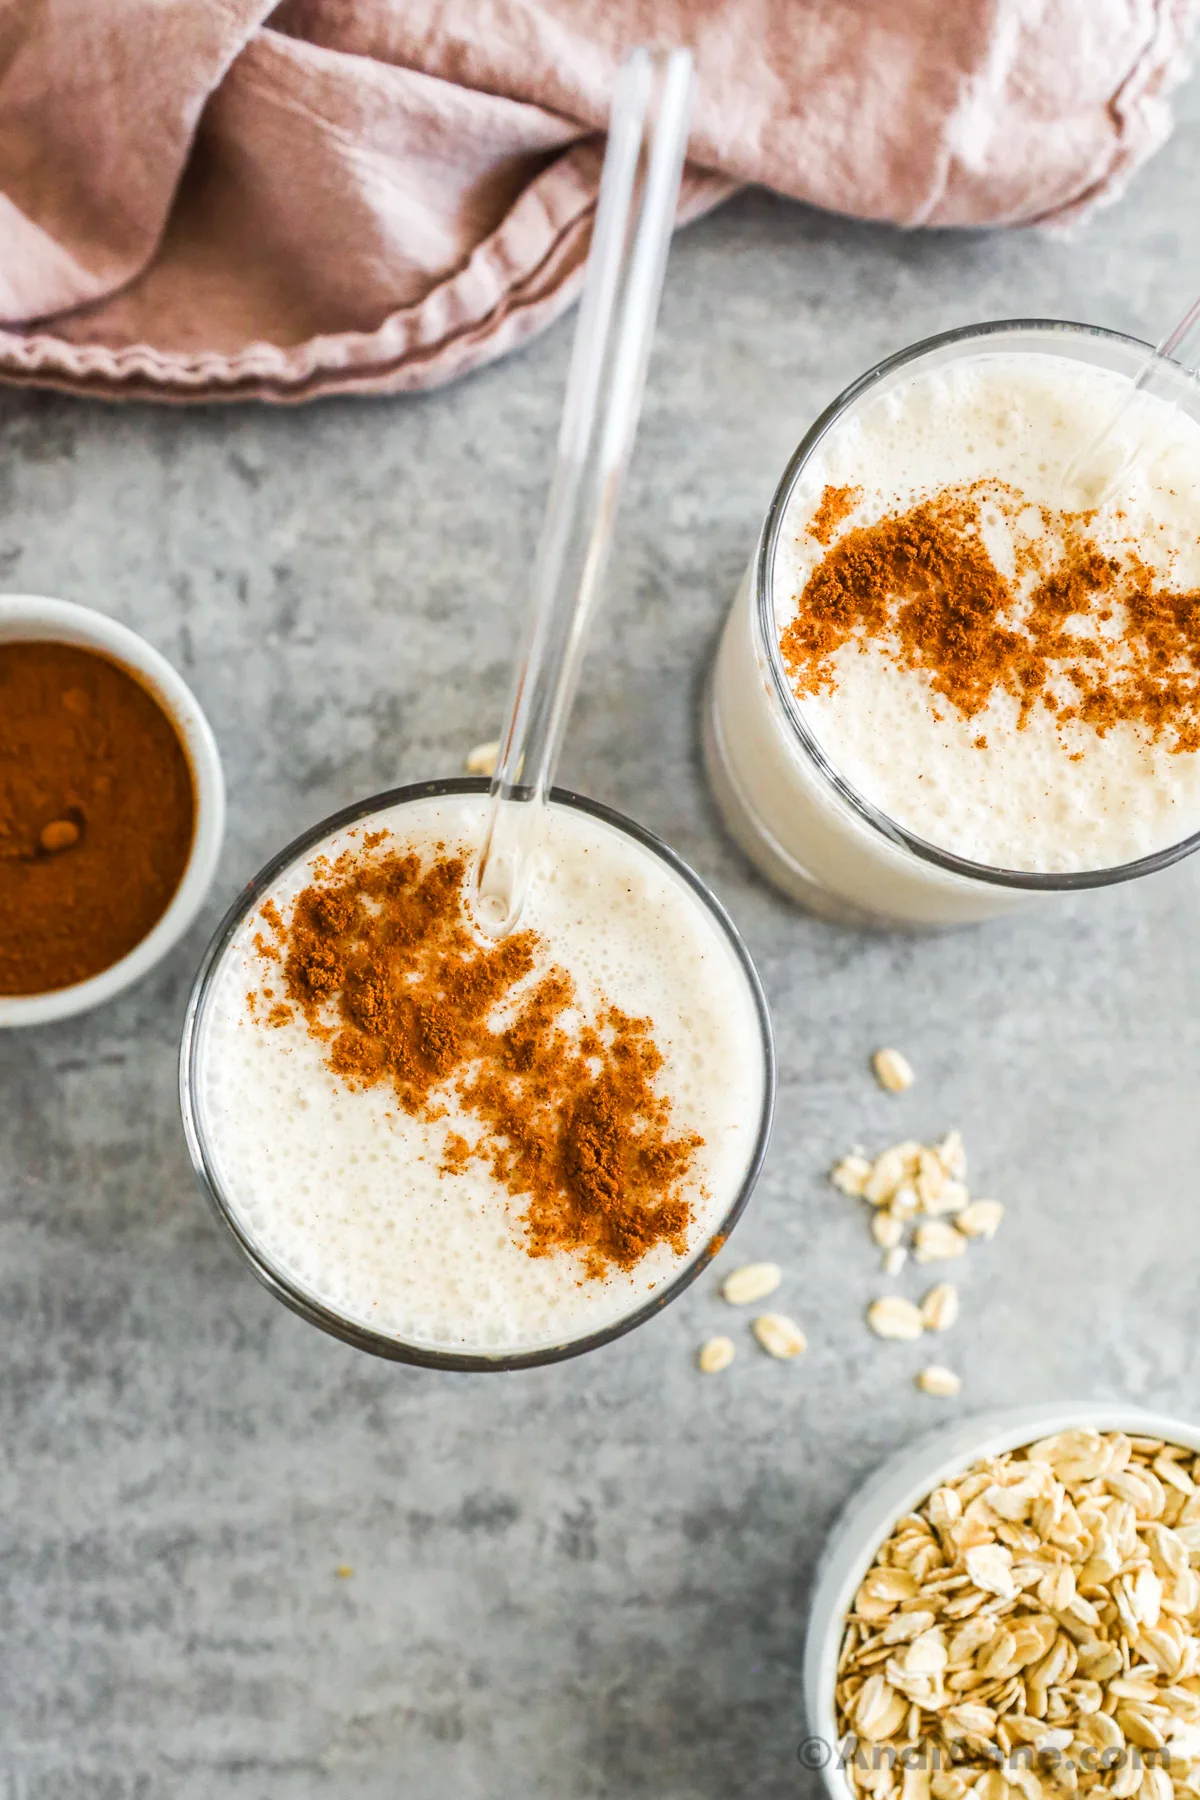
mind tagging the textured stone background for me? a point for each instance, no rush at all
(588, 1580)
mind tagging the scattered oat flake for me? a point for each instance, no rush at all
(715, 1355)
(980, 1219)
(937, 1379)
(939, 1308)
(950, 1196)
(849, 1175)
(482, 759)
(931, 1179)
(893, 1070)
(952, 1156)
(886, 1229)
(779, 1336)
(891, 1316)
(894, 1260)
(905, 1202)
(343, 1571)
(936, 1241)
(754, 1281)
(891, 1170)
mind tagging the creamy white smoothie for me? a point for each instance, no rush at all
(387, 1209)
(1007, 673)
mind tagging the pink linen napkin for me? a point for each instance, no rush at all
(208, 199)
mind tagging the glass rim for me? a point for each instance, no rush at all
(1031, 880)
(284, 1287)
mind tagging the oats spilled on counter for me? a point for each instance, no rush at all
(1033, 1628)
(920, 1198)
(779, 1336)
(921, 1207)
(775, 1333)
(482, 759)
(939, 1308)
(892, 1316)
(893, 1070)
(940, 1381)
(715, 1354)
(753, 1281)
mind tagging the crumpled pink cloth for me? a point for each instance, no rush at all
(225, 198)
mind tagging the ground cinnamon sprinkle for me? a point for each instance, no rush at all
(1091, 637)
(381, 960)
(835, 504)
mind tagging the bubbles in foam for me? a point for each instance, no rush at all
(1039, 796)
(342, 1191)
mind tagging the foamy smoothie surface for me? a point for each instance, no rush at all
(1008, 673)
(472, 1146)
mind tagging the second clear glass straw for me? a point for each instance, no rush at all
(1094, 476)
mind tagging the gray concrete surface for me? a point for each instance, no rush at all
(588, 1580)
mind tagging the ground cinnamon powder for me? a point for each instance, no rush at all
(835, 504)
(380, 959)
(96, 814)
(1089, 635)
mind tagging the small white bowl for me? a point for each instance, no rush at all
(25, 617)
(899, 1486)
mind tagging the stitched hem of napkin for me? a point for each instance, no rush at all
(492, 305)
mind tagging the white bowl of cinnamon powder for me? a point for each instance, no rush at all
(112, 808)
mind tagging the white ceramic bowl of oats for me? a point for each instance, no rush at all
(1010, 1607)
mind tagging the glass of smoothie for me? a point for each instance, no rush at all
(464, 1151)
(480, 1075)
(950, 683)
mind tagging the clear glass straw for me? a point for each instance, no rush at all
(1088, 475)
(635, 215)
